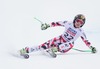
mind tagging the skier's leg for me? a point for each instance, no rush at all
(27, 50)
(55, 42)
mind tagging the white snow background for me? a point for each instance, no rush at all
(19, 29)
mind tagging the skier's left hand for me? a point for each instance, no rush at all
(93, 49)
(45, 26)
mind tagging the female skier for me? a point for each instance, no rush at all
(64, 42)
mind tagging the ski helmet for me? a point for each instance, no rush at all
(80, 16)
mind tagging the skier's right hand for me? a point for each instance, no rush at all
(44, 26)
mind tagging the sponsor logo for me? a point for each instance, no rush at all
(71, 31)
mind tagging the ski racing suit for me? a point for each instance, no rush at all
(65, 41)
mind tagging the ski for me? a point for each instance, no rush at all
(26, 56)
(22, 55)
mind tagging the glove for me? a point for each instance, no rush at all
(93, 49)
(44, 26)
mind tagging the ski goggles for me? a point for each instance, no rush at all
(80, 21)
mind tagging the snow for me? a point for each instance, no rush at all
(19, 29)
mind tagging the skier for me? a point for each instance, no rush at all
(65, 41)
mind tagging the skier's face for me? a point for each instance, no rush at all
(78, 23)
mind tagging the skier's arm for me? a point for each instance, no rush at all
(83, 37)
(59, 23)
(53, 24)
(86, 41)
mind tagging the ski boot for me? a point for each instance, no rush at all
(51, 51)
(24, 52)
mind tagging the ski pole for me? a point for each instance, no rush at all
(81, 50)
(38, 20)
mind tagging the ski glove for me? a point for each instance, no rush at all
(44, 26)
(93, 49)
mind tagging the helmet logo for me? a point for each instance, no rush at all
(82, 17)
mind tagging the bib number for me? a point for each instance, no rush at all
(68, 37)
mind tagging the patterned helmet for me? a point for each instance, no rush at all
(80, 16)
